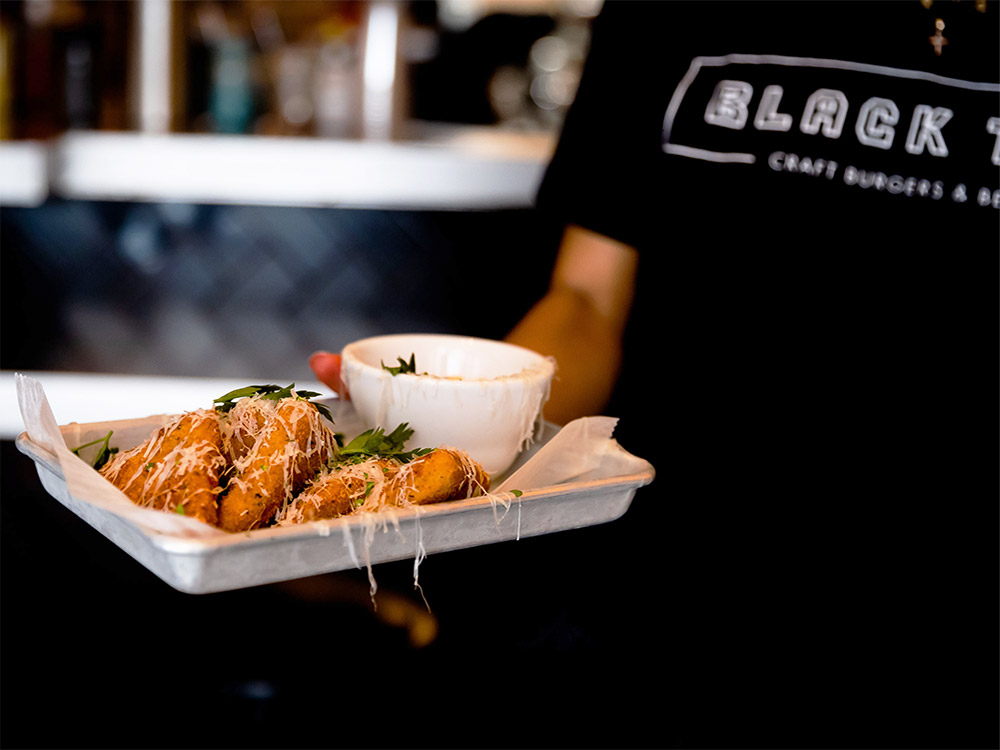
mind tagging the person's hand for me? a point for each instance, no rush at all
(326, 367)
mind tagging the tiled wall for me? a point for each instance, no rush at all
(248, 291)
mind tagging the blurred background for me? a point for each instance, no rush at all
(200, 192)
(197, 195)
(221, 188)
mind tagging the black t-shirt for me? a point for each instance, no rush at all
(812, 115)
(811, 364)
(814, 194)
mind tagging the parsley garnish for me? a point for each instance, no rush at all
(272, 392)
(103, 455)
(404, 366)
(375, 443)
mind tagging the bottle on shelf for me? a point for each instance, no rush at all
(61, 66)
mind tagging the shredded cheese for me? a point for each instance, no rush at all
(278, 459)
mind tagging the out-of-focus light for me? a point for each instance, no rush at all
(39, 12)
(380, 67)
(24, 167)
(553, 90)
(295, 171)
(458, 15)
(297, 110)
(295, 73)
(153, 90)
(585, 8)
(380, 47)
(550, 53)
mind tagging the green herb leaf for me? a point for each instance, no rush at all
(375, 443)
(103, 455)
(516, 493)
(306, 395)
(404, 366)
(227, 401)
(271, 392)
(324, 410)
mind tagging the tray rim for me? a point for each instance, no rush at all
(173, 544)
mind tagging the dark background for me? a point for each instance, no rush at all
(699, 619)
(709, 616)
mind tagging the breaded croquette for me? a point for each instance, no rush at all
(293, 446)
(377, 483)
(443, 474)
(341, 490)
(177, 469)
(244, 423)
(263, 458)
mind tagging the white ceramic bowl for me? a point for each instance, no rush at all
(480, 395)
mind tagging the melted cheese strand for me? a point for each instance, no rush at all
(420, 556)
(349, 543)
(244, 423)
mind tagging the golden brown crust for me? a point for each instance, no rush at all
(244, 423)
(178, 468)
(293, 446)
(379, 483)
(441, 475)
(276, 456)
(340, 491)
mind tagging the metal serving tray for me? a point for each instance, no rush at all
(221, 562)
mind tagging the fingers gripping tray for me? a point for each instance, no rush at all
(570, 477)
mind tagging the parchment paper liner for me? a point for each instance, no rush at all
(575, 450)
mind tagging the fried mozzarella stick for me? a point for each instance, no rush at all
(341, 490)
(369, 486)
(441, 475)
(293, 446)
(177, 469)
(244, 423)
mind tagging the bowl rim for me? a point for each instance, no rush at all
(543, 369)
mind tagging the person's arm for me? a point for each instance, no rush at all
(580, 322)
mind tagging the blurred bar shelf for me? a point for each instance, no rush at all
(99, 397)
(444, 168)
(24, 173)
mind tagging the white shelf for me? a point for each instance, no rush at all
(102, 397)
(465, 168)
(24, 168)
